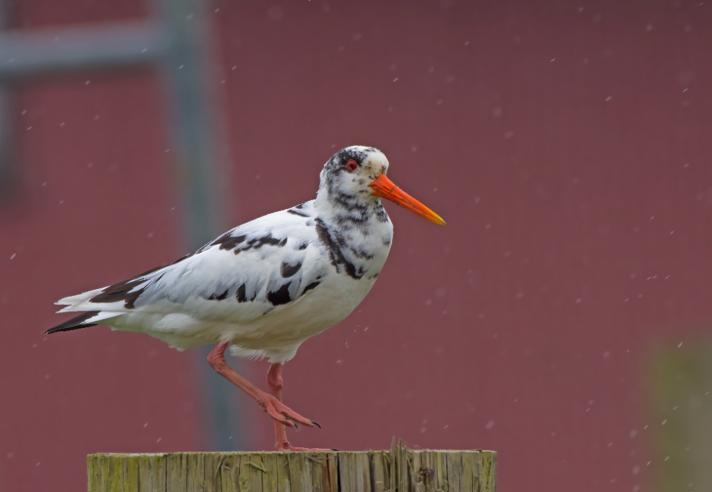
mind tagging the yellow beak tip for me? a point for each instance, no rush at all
(439, 220)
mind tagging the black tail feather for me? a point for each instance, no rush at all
(74, 324)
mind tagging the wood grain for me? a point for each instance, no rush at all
(396, 470)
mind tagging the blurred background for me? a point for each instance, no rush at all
(562, 318)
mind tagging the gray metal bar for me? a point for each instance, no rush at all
(42, 51)
(8, 165)
(197, 151)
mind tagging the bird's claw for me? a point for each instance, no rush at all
(283, 414)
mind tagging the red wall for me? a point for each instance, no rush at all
(567, 144)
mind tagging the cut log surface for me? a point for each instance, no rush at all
(397, 470)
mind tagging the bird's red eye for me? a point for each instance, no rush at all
(351, 165)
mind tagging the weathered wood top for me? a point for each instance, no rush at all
(396, 470)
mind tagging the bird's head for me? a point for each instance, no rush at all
(357, 175)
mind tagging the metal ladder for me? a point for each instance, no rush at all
(173, 39)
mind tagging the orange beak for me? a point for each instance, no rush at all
(383, 187)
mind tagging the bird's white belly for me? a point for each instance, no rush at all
(276, 335)
(322, 308)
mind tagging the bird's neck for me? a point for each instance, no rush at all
(347, 211)
(361, 229)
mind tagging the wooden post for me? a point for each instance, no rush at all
(398, 470)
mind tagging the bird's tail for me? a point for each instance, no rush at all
(84, 320)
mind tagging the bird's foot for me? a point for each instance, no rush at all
(282, 413)
(285, 446)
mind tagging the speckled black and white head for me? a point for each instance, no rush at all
(348, 174)
(353, 182)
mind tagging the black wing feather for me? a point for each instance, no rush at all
(74, 324)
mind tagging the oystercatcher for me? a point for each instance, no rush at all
(264, 287)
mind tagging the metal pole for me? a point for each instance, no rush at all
(196, 151)
(7, 155)
(46, 51)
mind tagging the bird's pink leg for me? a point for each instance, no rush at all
(275, 381)
(271, 404)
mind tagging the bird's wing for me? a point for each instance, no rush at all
(246, 272)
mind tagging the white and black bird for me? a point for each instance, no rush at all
(266, 286)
